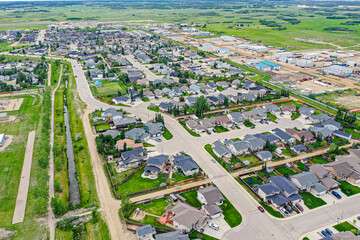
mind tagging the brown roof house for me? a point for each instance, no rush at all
(288, 108)
(187, 218)
(308, 136)
(343, 171)
(324, 175)
(129, 144)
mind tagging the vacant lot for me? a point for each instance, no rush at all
(109, 88)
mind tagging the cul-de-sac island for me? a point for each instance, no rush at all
(179, 120)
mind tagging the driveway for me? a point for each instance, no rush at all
(223, 228)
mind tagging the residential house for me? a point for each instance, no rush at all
(2, 139)
(271, 194)
(342, 170)
(123, 122)
(137, 134)
(124, 144)
(165, 106)
(324, 175)
(154, 129)
(236, 118)
(145, 232)
(319, 118)
(255, 143)
(156, 165)
(331, 124)
(158, 93)
(238, 147)
(288, 108)
(121, 100)
(208, 123)
(132, 158)
(236, 83)
(112, 133)
(220, 150)
(248, 84)
(186, 164)
(4, 116)
(149, 95)
(273, 109)
(224, 121)
(324, 132)
(284, 137)
(309, 182)
(175, 235)
(342, 134)
(195, 88)
(298, 148)
(306, 112)
(352, 160)
(212, 198)
(307, 136)
(264, 156)
(288, 189)
(190, 101)
(187, 218)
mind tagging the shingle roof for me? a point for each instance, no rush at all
(284, 184)
(143, 230)
(211, 194)
(157, 160)
(176, 235)
(185, 162)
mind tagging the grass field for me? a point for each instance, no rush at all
(231, 215)
(167, 134)
(190, 197)
(11, 164)
(110, 88)
(156, 207)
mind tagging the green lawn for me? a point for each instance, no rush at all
(283, 170)
(137, 183)
(220, 129)
(167, 134)
(155, 109)
(352, 132)
(255, 181)
(180, 177)
(286, 152)
(262, 174)
(345, 226)
(300, 166)
(220, 89)
(111, 88)
(156, 207)
(209, 149)
(318, 144)
(295, 115)
(271, 210)
(271, 116)
(348, 189)
(251, 158)
(319, 160)
(102, 127)
(247, 123)
(197, 235)
(194, 134)
(311, 201)
(145, 144)
(190, 197)
(231, 215)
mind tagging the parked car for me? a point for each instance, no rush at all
(275, 122)
(158, 139)
(323, 232)
(252, 127)
(358, 217)
(329, 231)
(214, 130)
(336, 194)
(284, 211)
(288, 208)
(208, 132)
(299, 207)
(213, 160)
(261, 209)
(267, 122)
(214, 226)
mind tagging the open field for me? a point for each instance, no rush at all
(348, 99)
(7, 104)
(109, 88)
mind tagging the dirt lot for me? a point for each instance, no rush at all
(8, 141)
(10, 104)
(283, 76)
(348, 100)
(315, 88)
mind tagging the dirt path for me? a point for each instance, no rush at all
(49, 76)
(21, 199)
(51, 220)
(108, 204)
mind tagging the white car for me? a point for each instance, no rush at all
(284, 211)
(214, 226)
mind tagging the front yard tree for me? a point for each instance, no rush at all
(226, 101)
(159, 118)
(201, 106)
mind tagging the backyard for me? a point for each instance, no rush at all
(137, 183)
(311, 201)
(104, 127)
(284, 171)
(251, 158)
(220, 129)
(319, 160)
(190, 197)
(251, 181)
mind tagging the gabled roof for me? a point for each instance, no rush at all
(284, 184)
(157, 160)
(188, 216)
(176, 235)
(268, 188)
(185, 162)
(144, 230)
(283, 135)
(211, 194)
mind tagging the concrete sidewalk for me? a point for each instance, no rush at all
(21, 199)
